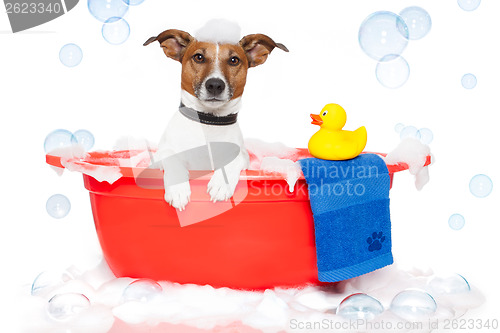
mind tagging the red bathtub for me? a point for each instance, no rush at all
(261, 239)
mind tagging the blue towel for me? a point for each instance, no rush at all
(350, 204)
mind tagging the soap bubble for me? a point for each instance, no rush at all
(103, 10)
(409, 132)
(360, 306)
(417, 20)
(65, 306)
(392, 71)
(469, 81)
(481, 186)
(133, 2)
(399, 127)
(451, 284)
(142, 290)
(58, 206)
(426, 135)
(381, 34)
(58, 139)
(413, 305)
(456, 221)
(85, 138)
(49, 279)
(115, 31)
(469, 5)
(70, 55)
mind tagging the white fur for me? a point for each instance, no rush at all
(216, 108)
(183, 134)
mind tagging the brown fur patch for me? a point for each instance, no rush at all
(193, 73)
(235, 75)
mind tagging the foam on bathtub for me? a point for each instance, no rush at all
(143, 151)
(289, 169)
(108, 174)
(258, 149)
(76, 151)
(105, 165)
(138, 154)
(70, 152)
(414, 153)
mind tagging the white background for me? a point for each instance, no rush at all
(133, 90)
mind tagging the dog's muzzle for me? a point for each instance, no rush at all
(215, 87)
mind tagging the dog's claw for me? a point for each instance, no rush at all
(218, 189)
(178, 195)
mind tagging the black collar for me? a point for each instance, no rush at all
(207, 118)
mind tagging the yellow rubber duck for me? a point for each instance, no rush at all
(331, 142)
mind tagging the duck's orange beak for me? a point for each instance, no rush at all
(316, 119)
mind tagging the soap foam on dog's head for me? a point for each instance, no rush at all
(219, 31)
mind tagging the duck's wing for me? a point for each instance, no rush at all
(361, 137)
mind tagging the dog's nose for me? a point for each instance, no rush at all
(215, 86)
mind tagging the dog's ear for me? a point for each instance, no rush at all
(173, 42)
(257, 47)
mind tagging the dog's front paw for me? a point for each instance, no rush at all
(219, 188)
(178, 195)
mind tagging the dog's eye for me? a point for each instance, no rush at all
(324, 113)
(234, 61)
(199, 58)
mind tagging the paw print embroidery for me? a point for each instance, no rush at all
(375, 241)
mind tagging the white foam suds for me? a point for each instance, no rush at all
(219, 31)
(290, 170)
(205, 307)
(414, 153)
(261, 149)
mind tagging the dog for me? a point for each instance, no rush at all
(213, 78)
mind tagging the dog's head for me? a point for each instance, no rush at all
(215, 73)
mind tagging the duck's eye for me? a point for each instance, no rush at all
(324, 113)
(234, 61)
(199, 58)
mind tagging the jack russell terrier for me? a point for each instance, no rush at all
(213, 79)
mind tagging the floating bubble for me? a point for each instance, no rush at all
(85, 138)
(360, 306)
(142, 290)
(71, 55)
(469, 81)
(103, 10)
(426, 135)
(451, 284)
(133, 2)
(399, 127)
(469, 5)
(456, 221)
(49, 279)
(417, 20)
(58, 139)
(413, 305)
(382, 34)
(409, 132)
(115, 31)
(65, 306)
(480, 186)
(392, 71)
(58, 206)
